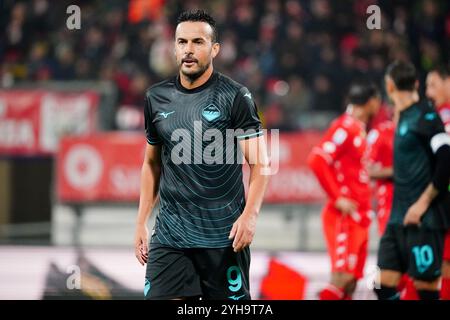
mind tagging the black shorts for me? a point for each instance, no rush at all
(412, 250)
(214, 274)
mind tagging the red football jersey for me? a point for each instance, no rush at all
(380, 150)
(344, 148)
(444, 112)
(380, 144)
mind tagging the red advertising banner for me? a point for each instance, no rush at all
(32, 121)
(106, 167)
(102, 167)
(294, 182)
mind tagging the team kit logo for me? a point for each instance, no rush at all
(214, 146)
(166, 114)
(211, 113)
(403, 129)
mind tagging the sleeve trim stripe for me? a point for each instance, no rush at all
(439, 140)
(323, 154)
(153, 142)
(250, 135)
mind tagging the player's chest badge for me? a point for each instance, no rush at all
(403, 129)
(211, 112)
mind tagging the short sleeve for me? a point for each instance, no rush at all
(244, 116)
(150, 129)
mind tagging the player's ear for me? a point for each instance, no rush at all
(215, 49)
(416, 85)
(390, 86)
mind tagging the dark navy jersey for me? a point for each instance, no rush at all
(414, 164)
(201, 189)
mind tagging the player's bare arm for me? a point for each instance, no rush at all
(417, 210)
(378, 172)
(326, 179)
(255, 153)
(440, 144)
(150, 174)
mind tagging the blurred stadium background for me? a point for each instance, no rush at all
(71, 127)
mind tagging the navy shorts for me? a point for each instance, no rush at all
(412, 250)
(213, 274)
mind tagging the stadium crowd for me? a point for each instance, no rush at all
(296, 57)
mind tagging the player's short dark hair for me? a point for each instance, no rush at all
(361, 91)
(442, 70)
(403, 74)
(200, 16)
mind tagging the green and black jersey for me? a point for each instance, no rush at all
(201, 188)
(414, 165)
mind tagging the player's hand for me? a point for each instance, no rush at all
(373, 169)
(415, 213)
(345, 205)
(140, 244)
(243, 231)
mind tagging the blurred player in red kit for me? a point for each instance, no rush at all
(438, 90)
(380, 168)
(338, 163)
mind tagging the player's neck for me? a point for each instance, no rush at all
(187, 83)
(405, 99)
(442, 103)
(358, 113)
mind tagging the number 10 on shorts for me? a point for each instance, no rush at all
(424, 257)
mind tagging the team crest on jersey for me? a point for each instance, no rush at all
(403, 129)
(211, 112)
(430, 116)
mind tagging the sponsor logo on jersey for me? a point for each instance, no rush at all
(166, 114)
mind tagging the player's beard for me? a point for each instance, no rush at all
(192, 76)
